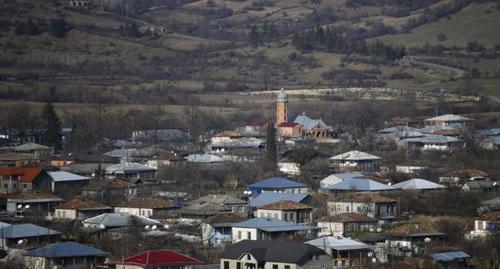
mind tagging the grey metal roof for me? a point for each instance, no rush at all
(26, 230)
(360, 185)
(355, 155)
(266, 198)
(62, 176)
(273, 225)
(204, 158)
(282, 96)
(244, 142)
(449, 117)
(435, 139)
(449, 256)
(128, 168)
(338, 243)
(30, 146)
(396, 129)
(417, 184)
(308, 123)
(118, 220)
(66, 249)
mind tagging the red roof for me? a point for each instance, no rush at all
(163, 257)
(27, 174)
(287, 124)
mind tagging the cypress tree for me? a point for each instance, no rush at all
(271, 143)
(52, 136)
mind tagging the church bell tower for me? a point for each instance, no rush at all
(282, 107)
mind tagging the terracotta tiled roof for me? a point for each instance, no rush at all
(491, 216)
(411, 228)
(287, 124)
(363, 197)
(145, 202)
(348, 217)
(225, 218)
(285, 205)
(467, 173)
(34, 195)
(27, 174)
(82, 203)
(113, 184)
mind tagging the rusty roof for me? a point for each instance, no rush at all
(348, 217)
(145, 202)
(285, 205)
(491, 216)
(26, 174)
(413, 228)
(225, 218)
(32, 195)
(112, 184)
(80, 202)
(464, 173)
(363, 197)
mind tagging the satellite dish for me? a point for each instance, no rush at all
(427, 240)
(146, 227)
(390, 183)
(166, 226)
(379, 230)
(102, 226)
(27, 206)
(374, 260)
(370, 254)
(20, 241)
(153, 227)
(19, 206)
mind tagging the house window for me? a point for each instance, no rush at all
(275, 266)
(248, 257)
(262, 214)
(276, 215)
(226, 265)
(285, 215)
(249, 235)
(238, 265)
(241, 209)
(287, 266)
(239, 234)
(5, 186)
(346, 209)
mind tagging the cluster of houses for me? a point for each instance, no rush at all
(351, 219)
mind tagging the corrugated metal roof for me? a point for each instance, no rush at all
(360, 185)
(308, 123)
(355, 155)
(449, 117)
(26, 230)
(277, 183)
(61, 176)
(338, 243)
(449, 256)
(66, 249)
(204, 158)
(266, 198)
(118, 220)
(128, 167)
(417, 184)
(272, 225)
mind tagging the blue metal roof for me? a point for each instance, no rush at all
(449, 256)
(272, 225)
(25, 230)
(277, 183)
(266, 198)
(360, 184)
(66, 249)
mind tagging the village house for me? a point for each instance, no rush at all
(459, 177)
(451, 259)
(288, 130)
(164, 258)
(333, 179)
(160, 135)
(450, 119)
(369, 204)
(80, 208)
(144, 206)
(277, 184)
(486, 225)
(270, 229)
(346, 224)
(64, 255)
(273, 255)
(209, 160)
(482, 186)
(432, 142)
(314, 128)
(412, 238)
(83, 158)
(217, 230)
(16, 179)
(133, 171)
(32, 203)
(289, 168)
(286, 210)
(213, 204)
(61, 181)
(27, 236)
(418, 184)
(18, 160)
(358, 160)
(37, 151)
(345, 252)
(117, 220)
(356, 185)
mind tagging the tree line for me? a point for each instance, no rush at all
(337, 41)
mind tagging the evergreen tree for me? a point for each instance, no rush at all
(52, 136)
(271, 143)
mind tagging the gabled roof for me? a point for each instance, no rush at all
(308, 123)
(449, 117)
(359, 184)
(26, 230)
(449, 256)
(336, 178)
(27, 174)
(271, 197)
(491, 216)
(347, 217)
(272, 225)
(397, 129)
(115, 184)
(211, 205)
(271, 251)
(165, 257)
(30, 146)
(82, 203)
(145, 202)
(285, 205)
(467, 173)
(62, 176)
(364, 197)
(288, 124)
(127, 168)
(16, 157)
(338, 243)
(65, 250)
(119, 220)
(417, 184)
(256, 123)
(355, 155)
(439, 139)
(414, 228)
(277, 183)
(225, 218)
(227, 133)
